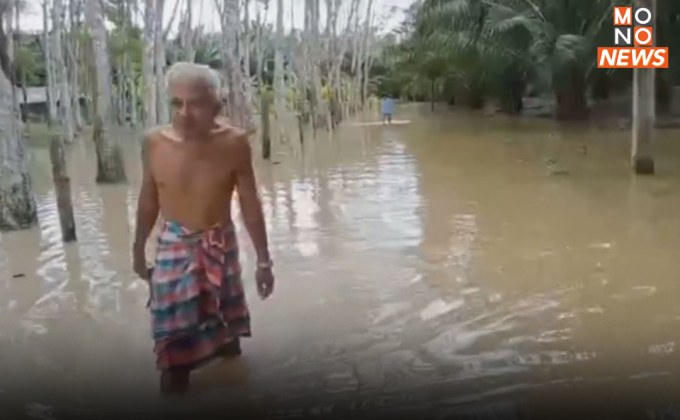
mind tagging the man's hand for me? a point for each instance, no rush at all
(265, 281)
(139, 262)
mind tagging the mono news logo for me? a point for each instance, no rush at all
(633, 42)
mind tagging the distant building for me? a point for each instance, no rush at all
(36, 107)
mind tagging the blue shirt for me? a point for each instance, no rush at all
(388, 106)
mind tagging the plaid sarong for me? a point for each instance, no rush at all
(197, 301)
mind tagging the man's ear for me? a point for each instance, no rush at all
(219, 103)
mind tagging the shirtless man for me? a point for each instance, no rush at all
(191, 169)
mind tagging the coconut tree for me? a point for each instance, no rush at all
(496, 47)
(110, 168)
(17, 203)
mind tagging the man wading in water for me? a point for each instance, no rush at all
(191, 169)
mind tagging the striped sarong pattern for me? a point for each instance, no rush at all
(197, 301)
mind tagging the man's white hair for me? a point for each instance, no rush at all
(184, 71)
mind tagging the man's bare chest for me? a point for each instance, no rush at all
(197, 170)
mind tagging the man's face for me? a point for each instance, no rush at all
(193, 106)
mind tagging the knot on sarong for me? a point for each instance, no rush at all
(209, 251)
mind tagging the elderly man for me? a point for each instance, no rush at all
(191, 169)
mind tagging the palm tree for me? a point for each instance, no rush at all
(17, 203)
(498, 47)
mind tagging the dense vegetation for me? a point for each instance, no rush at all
(474, 52)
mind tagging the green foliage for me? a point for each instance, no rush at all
(498, 49)
(29, 65)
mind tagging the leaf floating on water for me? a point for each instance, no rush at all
(438, 308)
(665, 348)
(34, 327)
(416, 278)
(40, 411)
(603, 245)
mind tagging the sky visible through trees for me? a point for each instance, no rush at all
(389, 12)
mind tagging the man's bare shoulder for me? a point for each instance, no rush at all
(156, 134)
(231, 137)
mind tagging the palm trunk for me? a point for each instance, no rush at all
(246, 53)
(131, 9)
(151, 113)
(188, 33)
(60, 72)
(340, 58)
(24, 97)
(11, 54)
(24, 74)
(644, 111)
(72, 47)
(265, 98)
(51, 91)
(279, 94)
(17, 203)
(110, 168)
(433, 92)
(238, 107)
(366, 59)
(571, 99)
(663, 90)
(159, 65)
(278, 61)
(62, 185)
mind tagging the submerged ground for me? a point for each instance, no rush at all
(461, 263)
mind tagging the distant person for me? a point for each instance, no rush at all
(387, 109)
(190, 171)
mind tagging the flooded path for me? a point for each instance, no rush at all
(450, 263)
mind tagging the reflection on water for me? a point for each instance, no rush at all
(495, 257)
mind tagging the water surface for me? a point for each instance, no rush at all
(454, 262)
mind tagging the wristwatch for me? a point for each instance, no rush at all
(265, 264)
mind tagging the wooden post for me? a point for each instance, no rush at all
(644, 111)
(62, 185)
(264, 114)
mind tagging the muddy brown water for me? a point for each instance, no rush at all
(459, 265)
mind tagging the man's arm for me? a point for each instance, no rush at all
(251, 208)
(147, 204)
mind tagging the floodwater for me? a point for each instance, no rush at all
(460, 264)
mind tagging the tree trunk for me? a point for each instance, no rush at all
(159, 65)
(149, 83)
(644, 111)
(60, 72)
(245, 50)
(17, 203)
(24, 97)
(51, 91)
(433, 93)
(265, 98)
(72, 46)
(279, 95)
(662, 92)
(187, 33)
(367, 52)
(238, 108)
(513, 98)
(110, 168)
(11, 54)
(342, 103)
(23, 75)
(571, 101)
(131, 81)
(601, 86)
(62, 184)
